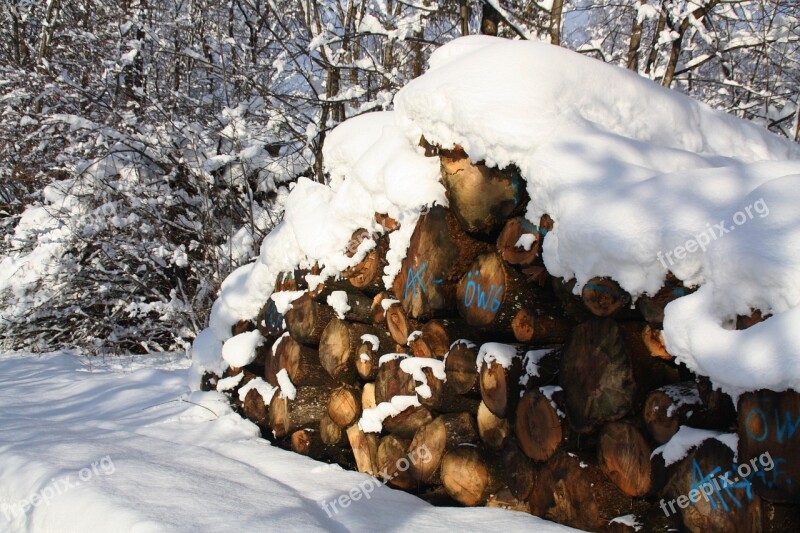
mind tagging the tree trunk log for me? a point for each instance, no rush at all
(492, 293)
(367, 356)
(603, 297)
(330, 433)
(520, 242)
(438, 255)
(500, 386)
(399, 325)
(470, 474)
(493, 430)
(596, 375)
(392, 381)
(367, 275)
(652, 307)
(437, 337)
(482, 198)
(406, 424)
(623, 454)
(307, 319)
(461, 369)
(539, 429)
(378, 312)
(520, 471)
(365, 449)
(301, 364)
(339, 345)
(667, 408)
(344, 405)
(540, 327)
(393, 461)
(368, 396)
(287, 416)
(437, 437)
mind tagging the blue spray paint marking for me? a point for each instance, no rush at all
(604, 290)
(414, 281)
(679, 291)
(719, 487)
(476, 296)
(785, 426)
(530, 228)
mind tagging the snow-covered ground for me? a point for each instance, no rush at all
(108, 446)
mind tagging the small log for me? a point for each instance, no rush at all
(437, 336)
(541, 367)
(368, 355)
(520, 242)
(301, 363)
(272, 362)
(470, 474)
(731, 507)
(378, 312)
(571, 303)
(339, 345)
(393, 462)
(652, 307)
(392, 381)
(360, 306)
(539, 429)
(654, 341)
(623, 454)
(442, 399)
(572, 492)
(367, 275)
(461, 369)
(399, 325)
(435, 439)
(365, 449)
(406, 424)
(386, 222)
(269, 321)
(344, 405)
(308, 442)
(439, 253)
(603, 297)
(499, 380)
(540, 327)
(648, 372)
(481, 197)
(307, 319)
(287, 416)
(493, 430)
(368, 396)
(330, 433)
(492, 292)
(255, 410)
(596, 375)
(669, 407)
(504, 499)
(519, 469)
(242, 326)
(769, 428)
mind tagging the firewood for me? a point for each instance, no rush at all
(540, 327)
(520, 473)
(307, 319)
(365, 449)
(301, 363)
(481, 197)
(571, 303)
(460, 367)
(540, 430)
(500, 388)
(732, 507)
(399, 325)
(652, 307)
(392, 381)
(668, 407)
(623, 454)
(255, 410)
(492, 292)
(339, 345)
(367, 275)
(406, 424)
(368, 396)
(439, 253)
(386, 222)
(520, 242)
(308, 441)
(493, 430)
(330, 433)
(654, 341)
(378, 312)
(367, 355)
(437, 335)
(603, 297)
(768, 424)
(470, 474)
(287, 416)
(435, 439)
(596, 375)
(344, 405)
(392, 461)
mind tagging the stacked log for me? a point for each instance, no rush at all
(478, 376)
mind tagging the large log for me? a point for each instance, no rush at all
(493, 430)
(301, 363)
(519, 470)
(437, 335)
(481, 197)
(623, 454)
(393, 462)
(668, 407)
(520, 242)
(539, 429)
(541, 326)
(307, 319)
(365, 449)
(435, 439)
(392, 381)
(367, 275)
(460, 367)
(439, 253)
(399, 325)
(406, 424)
(369, 352)
(339, 345)
(697, 489)
(470, 474)
(603, 297)
(575, 493)
(344, 405)
(596, 375)
(492, 292)
(500, 367)
(287, 416)
(769, 434)
(330, 433)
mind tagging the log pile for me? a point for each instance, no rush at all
(516, 391)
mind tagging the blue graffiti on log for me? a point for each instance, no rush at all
(721, 485)
(414, 281)
(785, 426)
(475, 295)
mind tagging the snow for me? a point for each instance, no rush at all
(338, 300)
(415, 366)
(497, 352)
(531, 364)
(687, 438)
(283, 300)
(372, 340)
(548, 392)
(628, 520)
(371, 420)
(288, 389)
(266, 390)
(240, 350)
(525, 241)
(226, 384)
(681, 395)
(165, 464)
(386, 303)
